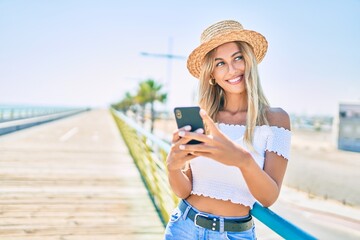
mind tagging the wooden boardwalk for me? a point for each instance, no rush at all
(73, 179)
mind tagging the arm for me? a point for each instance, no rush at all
(179, 172)
(180, 182)
(265, 184)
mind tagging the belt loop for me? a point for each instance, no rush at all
(186, 212)
(221, 227)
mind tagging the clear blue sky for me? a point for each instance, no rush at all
(87, 53)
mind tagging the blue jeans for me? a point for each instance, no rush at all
(180, 227)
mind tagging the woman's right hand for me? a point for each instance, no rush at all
(177, 158)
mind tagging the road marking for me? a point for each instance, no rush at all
(69, 134)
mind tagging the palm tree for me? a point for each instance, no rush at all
(126, 103)
(141, 98)
(150, 92)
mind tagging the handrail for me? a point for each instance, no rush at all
(278, 224)
(11, 113)
(149, 154)
(18, 121)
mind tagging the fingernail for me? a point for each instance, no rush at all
(187, 128)
(200, 130)
(202, 112)
(181, 133)
(181, 147)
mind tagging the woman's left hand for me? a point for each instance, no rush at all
(215, 145)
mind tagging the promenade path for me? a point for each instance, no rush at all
(73, 179)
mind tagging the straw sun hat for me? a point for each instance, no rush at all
(220, 33)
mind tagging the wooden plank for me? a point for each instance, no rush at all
(73, 179)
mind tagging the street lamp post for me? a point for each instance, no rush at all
(169, 56)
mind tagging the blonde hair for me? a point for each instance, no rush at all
(212, 98)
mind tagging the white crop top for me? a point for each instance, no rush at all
(219, 181)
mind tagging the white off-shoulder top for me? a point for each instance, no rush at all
(219, 181)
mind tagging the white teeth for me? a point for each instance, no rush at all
(234, 80)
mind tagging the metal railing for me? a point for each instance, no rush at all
(17, 118)
(149, 154)
(10, 113)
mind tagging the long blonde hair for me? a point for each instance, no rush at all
(212, 98)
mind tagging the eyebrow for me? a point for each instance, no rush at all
(216, 59)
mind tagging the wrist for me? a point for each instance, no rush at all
(172, 169)
(176, 170)
(246, 161)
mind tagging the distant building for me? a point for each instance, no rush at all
(349, 127)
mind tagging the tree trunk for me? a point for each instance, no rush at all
(152, 116)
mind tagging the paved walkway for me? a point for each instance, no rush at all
(73, 179)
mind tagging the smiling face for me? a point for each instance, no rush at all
(229, 68)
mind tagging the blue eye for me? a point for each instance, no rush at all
(239, 58)
(219, 64)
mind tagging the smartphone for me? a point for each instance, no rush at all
(189, 116)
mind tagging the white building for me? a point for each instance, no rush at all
(349, 127)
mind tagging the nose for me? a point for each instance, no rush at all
(232, 68)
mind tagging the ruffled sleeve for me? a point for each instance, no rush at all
(279, 142)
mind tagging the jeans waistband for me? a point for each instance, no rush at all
(201, 219)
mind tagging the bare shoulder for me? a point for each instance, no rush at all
(278, 117)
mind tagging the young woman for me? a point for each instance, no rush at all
(245, 147)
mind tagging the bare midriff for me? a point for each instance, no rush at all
(218, 207)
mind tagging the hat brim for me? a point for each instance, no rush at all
(254, 39)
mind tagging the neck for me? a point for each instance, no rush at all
(235, 103)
